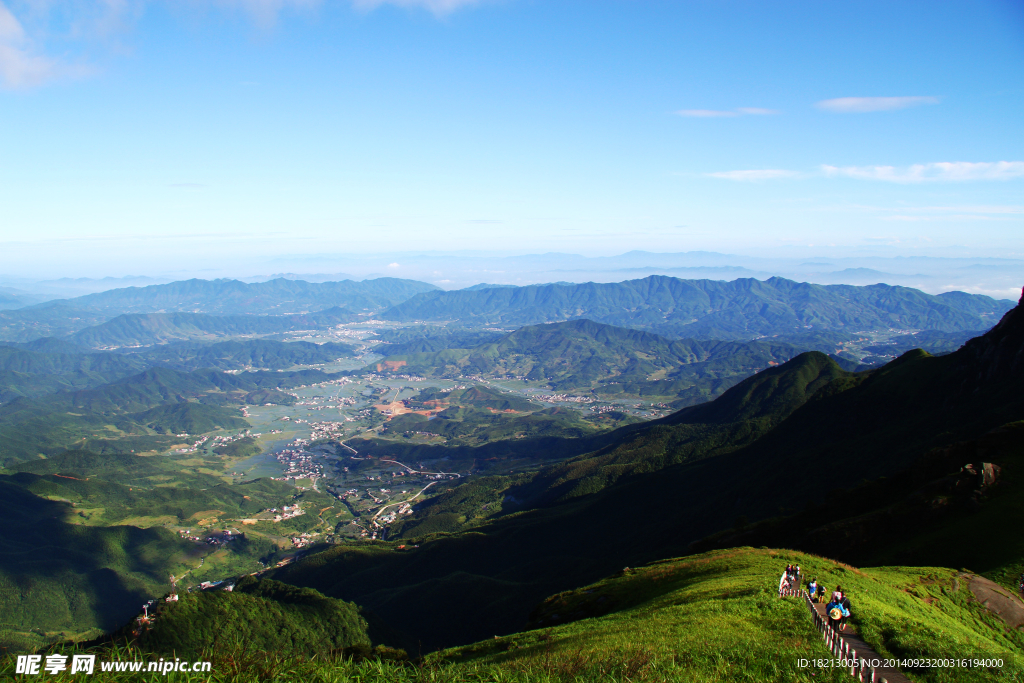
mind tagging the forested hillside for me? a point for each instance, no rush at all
(709, 309)
(582, 355)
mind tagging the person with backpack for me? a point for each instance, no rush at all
(838, 610)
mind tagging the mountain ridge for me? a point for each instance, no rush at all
(743, 308)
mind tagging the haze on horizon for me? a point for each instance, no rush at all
(245, 138)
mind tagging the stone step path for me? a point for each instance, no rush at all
(848, 644)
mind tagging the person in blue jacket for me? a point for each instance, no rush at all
(838, 610)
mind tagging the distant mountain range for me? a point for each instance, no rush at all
(212, 297)
(701, 309)
(709, 309)
(232, 297)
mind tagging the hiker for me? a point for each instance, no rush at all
(845, 604)
(838, 610)
(783, 582)
(812, 588)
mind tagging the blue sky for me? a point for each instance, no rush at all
(140, 136)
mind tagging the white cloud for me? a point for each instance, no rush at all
(858, 105)
(21, 64)
(725, 113)
(755, 174)
(436, 6)
(19, 68)
(10, 28)
(947, 171)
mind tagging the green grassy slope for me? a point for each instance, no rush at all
(716, 617)
(712, 617)
(259, 614)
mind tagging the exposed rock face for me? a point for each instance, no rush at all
(997, 599)
(980, 476)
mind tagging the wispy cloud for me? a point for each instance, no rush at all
(755, 174)
(859, 105)
(19, 67)
(438, 7)
(947, 171)
(725, 113)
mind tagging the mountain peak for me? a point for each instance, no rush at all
(1000, 351)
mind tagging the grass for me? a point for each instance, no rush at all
(716, 617)
(710, 618)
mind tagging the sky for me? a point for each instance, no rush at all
(155, 136)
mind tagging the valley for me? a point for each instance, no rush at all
(336, 459)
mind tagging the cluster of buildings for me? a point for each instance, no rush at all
(287, 512)
(225, 440)
(564, 398)
(326, 430)
(194, 447)
(302, 540)
(214, 539)
(298, 462)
